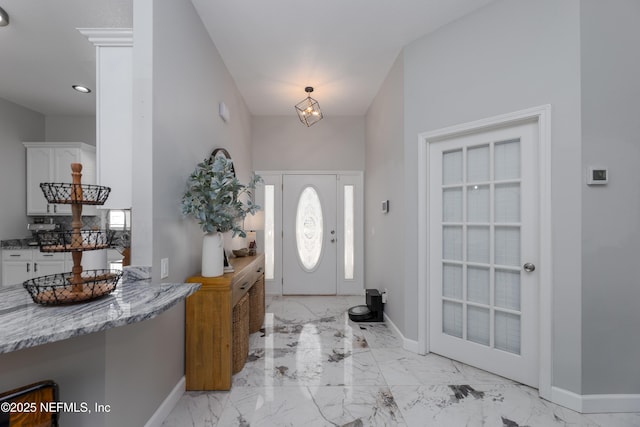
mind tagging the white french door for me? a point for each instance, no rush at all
(483, 247)
(309, 209)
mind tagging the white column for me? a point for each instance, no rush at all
(114, 111)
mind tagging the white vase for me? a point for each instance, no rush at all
(212, 255)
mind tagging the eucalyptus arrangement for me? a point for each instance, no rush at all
(219, 202)
(214, 197)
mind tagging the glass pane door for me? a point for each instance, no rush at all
(481, 244)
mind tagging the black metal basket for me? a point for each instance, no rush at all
(59, 289)
(68, 241)
(67, 194)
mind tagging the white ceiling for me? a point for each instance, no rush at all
(42, 54)
(272, 48)
(343, 48)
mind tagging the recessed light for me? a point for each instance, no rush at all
(4, 18)
(81, 88)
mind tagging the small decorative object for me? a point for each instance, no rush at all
(252, 224)
(78, 285)
(241, 252)
(252, 248)
(219, 202)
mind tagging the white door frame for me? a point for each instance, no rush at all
(353, 286)
(542, 116)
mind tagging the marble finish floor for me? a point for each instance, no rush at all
(314, 367)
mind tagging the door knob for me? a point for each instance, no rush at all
(333, 240)
(529, 267)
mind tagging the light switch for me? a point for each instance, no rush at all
(164, 268)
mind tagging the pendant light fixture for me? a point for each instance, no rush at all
(308, 109)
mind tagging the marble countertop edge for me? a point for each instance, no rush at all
(31, 325)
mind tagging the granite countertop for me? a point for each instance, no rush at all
(25, 324)
(28, 243)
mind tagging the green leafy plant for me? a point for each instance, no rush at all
(217, 199)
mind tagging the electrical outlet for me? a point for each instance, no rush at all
(164, 268)
(385, 295)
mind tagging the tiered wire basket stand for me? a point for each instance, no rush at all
(78, 285)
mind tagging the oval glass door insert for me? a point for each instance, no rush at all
(309, 228)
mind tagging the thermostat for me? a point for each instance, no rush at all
(597, 176)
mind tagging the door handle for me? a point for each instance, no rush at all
(529, 267)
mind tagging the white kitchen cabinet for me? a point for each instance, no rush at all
(39, 169)
(19, 265)
(16, 266)
(51, 162)
(68, 262)
(45, 263)
(91, 260)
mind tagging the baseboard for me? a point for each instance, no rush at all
(595, 403)
(167, 405)
(602, 403)
(407, 344)
(566, 398)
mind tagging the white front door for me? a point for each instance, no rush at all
(309, 235)
(483, 247)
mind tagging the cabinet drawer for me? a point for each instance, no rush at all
(243, 282)
(16, 254)
(239, 289)
(48, 256)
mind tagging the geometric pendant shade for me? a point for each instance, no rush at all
(308, 109)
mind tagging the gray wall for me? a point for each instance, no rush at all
(71, 129)
(384, 180)
(284, 143)
(121, 367)
(143, 363)
(17, 124)
(189, 80)
(505, 57)
(179, 79)
(610, 64)
(77, 365)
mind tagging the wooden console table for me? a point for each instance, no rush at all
(209, 322)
